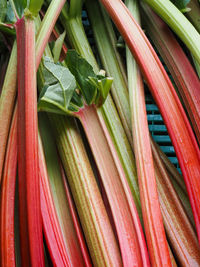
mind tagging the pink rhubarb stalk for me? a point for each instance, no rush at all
(32, 252)
(127, 224)
(7, 253)
(165, 96)
(153, 223)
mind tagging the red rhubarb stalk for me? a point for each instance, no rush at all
(153, 223)
(128, 227)
(7, 253)
(165, 96)
(31, 238)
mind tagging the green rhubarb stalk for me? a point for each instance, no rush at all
(76, 220)
(7, 235)
(177, 124)
(106, 45)
(77, 36)
(153, 223)
(7, 100)
(197, 66)
(179, 24)
(59, 197)
(178, 64)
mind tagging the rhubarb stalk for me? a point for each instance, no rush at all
(7, 100)
(30, 216)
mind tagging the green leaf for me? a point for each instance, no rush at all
(181, 4)
(9, 19)
(59, 89)
(81, 69)
(3, 8)
(103, 84)
(95, 88)
(60, 93)
(34, 6)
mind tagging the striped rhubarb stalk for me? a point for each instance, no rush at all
(153, 223)
(32, 252)
(165, 96)
(75, 219)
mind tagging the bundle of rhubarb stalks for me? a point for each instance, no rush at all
(82, 181)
